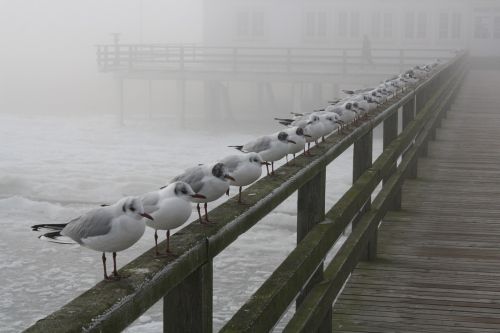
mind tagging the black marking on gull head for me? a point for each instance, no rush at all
(299, 131)
(219, 170)
(282, 136)
(181, 188)
(348, 106)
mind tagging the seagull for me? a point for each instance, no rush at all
(111, 228)
(170, 207)
(211, 181)
(245, 169)
(330, 123)
(310, 123)
(270, 147)
(297, 135)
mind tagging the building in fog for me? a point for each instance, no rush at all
(423, 24)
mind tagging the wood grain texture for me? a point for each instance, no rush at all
(438, 263)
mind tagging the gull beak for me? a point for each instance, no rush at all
(265, 163)
(198, 196)
(229, 177)
(307, 136)
(291, 141)
(146, 215)
(340, 122)
(309, 123)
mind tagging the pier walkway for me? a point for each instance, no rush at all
(438, 259)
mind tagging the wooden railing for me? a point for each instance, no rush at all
(185, 282)
(155, 57)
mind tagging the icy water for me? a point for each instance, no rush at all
(53, 169)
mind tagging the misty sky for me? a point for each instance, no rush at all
(48, 57)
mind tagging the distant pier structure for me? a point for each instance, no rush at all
(298, 55)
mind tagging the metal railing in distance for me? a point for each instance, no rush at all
(185, 282)
(144, 57)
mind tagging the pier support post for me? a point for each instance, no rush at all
(150, 99)
(311, 211)
(390, 134)
(362, 160)
(188, 307)
(181, 91)
(119, 90)
(408, 116)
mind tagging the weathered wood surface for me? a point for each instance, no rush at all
(438, 261)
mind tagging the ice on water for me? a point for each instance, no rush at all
(53, 169)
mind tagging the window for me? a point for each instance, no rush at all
(315, 25)
(250, 24)
(409, 25)
(482, 27)
(243, 23)
(258, 24)
(422, 25)
(342, 27)
(354, 24)
(376, 20)
(496, 27)
(387, 25)
(443, 26)
(456, 22)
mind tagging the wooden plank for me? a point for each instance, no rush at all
(437, 268)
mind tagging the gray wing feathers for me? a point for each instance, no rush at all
(150, 201)
(231, 162)
(258, 145)
(94, 223)
(193, 177)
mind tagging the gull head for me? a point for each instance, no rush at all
(133, 207)
(220, 171)
(184, 191)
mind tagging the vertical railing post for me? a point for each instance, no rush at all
(311, 211)
(390, 134)
(188, 307)
(362, 160)
(408, 116)
(422, 98)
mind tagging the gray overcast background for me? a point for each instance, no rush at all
(47, 57)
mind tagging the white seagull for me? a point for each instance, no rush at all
(270, 147)
(170, 207)
(245, 169)
(211, 181)
(106, 229)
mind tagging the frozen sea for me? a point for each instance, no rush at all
(54, 168)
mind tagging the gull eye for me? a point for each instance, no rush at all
(132, 208)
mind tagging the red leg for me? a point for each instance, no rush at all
(267, 168)
(199, 213)
(115, 272)
(239, 196)
(168, 241)
(206, 212)
(272, 168)
(106, 277)
(156, 243)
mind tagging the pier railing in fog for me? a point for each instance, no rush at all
(174, 58)
(185, 282)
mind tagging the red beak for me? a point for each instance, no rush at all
(266, 163)
(199, 196)
(291, 141)
(146, 215)
(229, 177)
(307, 136)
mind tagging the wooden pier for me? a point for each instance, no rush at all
(428, 252)
(438, 259)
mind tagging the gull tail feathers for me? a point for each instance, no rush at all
(56, 226)
(240, 148)
(56, 237)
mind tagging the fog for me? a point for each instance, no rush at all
(197, 76)
(48, 58)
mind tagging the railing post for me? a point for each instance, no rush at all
(362, 160)
(422, 97)
(408, 116)
(311, 211)
(188, 307)
(390, 134)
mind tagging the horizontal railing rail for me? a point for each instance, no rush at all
(140, 57)
(185, 282)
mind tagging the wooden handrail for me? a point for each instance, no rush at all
(185, 281)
